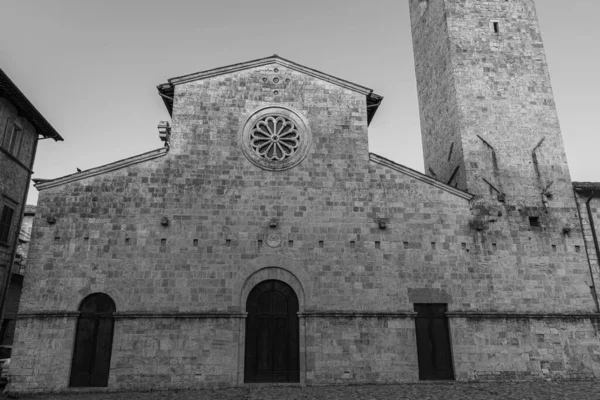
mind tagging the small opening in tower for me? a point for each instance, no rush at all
(496, 27)
(534, 222)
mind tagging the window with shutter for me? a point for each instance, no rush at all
(12, 138)
(5, 222)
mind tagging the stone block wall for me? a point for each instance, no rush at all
(361, 349)
(174, 353)
(525, 348)
(14, 179)
(42, 347)
(588, 204)
(492, 92)
(438, 101)
(194, 228)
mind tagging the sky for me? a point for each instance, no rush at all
(92, 67)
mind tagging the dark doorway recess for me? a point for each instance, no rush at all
(93, 341)
(433, 342)
(272, 332)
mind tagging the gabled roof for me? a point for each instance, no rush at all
(167, 90)
(12, 93)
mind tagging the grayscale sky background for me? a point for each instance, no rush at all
(91, 67)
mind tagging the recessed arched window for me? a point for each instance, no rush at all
(93, 341)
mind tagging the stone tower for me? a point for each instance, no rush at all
(488, 118)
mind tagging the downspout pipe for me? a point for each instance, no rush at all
(595, 240)
(593, 227)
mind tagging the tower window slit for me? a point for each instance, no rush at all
(496, 27)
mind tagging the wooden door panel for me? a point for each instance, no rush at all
(433, 342)
(272, 347)
(101, 363)
(442, 359)
(281, 345)
(93, 342)
(82, 354)
(263, 346)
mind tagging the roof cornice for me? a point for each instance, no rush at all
(592, 188)
(13, 94)
(43, 184)
(167, 89)
(419, 176)
(274, 59)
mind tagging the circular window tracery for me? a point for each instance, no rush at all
(275, 137)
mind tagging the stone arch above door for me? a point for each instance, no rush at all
(265, 270)
(77, 298)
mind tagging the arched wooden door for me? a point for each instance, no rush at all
(272, 334)
(93, 341)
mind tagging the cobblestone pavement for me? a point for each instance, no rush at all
(584, 390)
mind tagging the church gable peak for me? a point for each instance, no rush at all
(166, 90)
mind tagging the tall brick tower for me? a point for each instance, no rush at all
(488, 117)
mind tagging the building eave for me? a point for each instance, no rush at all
(590, 188)
(27, 110)
(43, 184)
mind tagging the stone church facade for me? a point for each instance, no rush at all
(264, 243)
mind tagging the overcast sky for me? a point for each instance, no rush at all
(91, 67)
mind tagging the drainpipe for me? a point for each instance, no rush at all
(594, 238)
(593, 227)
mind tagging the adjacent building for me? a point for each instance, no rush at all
(21, 126)
(264, 243)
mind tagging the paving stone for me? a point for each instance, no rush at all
(573, 390)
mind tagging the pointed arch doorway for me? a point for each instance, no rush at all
(272, 334)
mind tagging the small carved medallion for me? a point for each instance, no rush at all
(274, 240)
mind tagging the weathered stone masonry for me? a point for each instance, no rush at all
(180, 236)
(20, 126)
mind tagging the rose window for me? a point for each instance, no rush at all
(274, 138)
